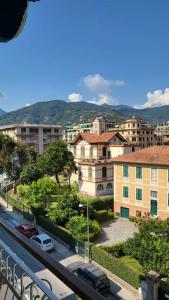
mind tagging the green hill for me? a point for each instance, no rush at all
(59, 112)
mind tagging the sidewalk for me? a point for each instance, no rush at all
(119, 287)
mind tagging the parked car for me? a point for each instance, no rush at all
(44, 241)
(92, 275)
(29, 230)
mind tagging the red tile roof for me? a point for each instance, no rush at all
(155, 155)
(93, 138)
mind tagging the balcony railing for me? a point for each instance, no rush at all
(18, 282)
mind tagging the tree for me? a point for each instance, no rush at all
(13, 156)
(40, 192)
(77, 225)
(70, 166)
(64, 207)
(30, 173)
(55, 158)
(150, 246)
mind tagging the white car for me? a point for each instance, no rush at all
(44, 241)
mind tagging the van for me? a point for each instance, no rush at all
(92, 275)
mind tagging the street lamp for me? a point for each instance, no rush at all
(88, 238)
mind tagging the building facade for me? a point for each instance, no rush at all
(137, 131)
(93, 155)
(38, 136)
(162, 133)
(141, 183)
(98, 125)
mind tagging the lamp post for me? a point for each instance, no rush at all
(88, 230)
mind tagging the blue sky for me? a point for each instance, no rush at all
(102, 51)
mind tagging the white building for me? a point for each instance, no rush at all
(36, 135)
(93, 154)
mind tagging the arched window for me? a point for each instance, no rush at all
(109, 186)
(104, 152)
(100, 187)
(90, 172)
(104, 172)
(91, 151)
(82, 151)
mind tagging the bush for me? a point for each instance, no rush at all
(99, 203)
(103, 215)
(56, 230)
(115, 250)
(77, 225)
(115, 266)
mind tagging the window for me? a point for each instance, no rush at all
(138, 172)
(168, 200)
(138, 213)
(125, 191)
(125, 171)
(154, 194)
(104, 172)
(23, 130)
(109, 186)
(109, 154)
(79, 174)
(91, 151)
(104, 152)
(153, 174)
(90, 172)
(82, 151)
(138, 194)
(100, 187)
(74, 150)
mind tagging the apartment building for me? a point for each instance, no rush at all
(141, 183)
(137, 131)
(71, 131)
(38, 136)
(93, 154)
(162, 133)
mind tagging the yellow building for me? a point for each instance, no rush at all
(141, 183)
(137, 131)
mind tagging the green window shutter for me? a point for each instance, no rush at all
(138, 194)
(138, 172)
(168, 199)
(125, 192)
(168, 174)
(125, 171)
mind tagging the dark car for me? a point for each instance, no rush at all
(29, 230)
(91, 274)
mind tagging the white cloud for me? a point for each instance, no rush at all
(104, 99)
(97, 84)
(156, 98)
(75, 97)
(27, 104)
(100, 88)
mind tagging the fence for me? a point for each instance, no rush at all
(18, 206)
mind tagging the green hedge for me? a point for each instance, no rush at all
(103, 215)
(99, 203)
(115, 266)
(115, 250)
(56, 230)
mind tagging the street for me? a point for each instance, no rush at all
(61, 253)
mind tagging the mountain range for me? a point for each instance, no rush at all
(62, 112)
